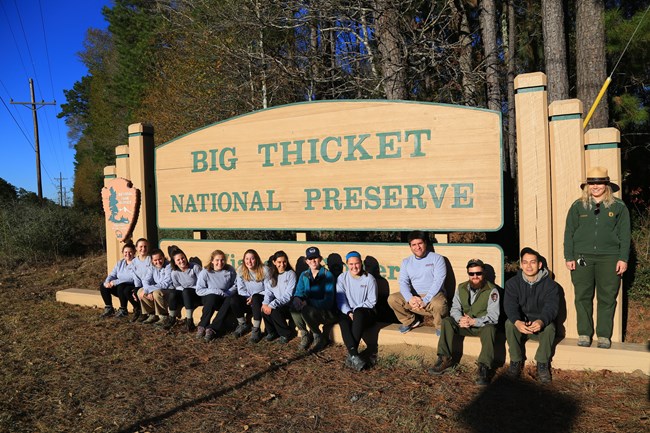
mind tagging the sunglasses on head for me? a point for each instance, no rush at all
(475, 274)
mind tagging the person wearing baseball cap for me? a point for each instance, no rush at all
(314, 302)
(475, 313)
(596, 250)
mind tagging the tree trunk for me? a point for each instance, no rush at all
(511, 67)
(388, 43)
(555, 50)
(465, 58)
(489, 35)
(591, 63)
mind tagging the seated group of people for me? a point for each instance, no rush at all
(158, 290)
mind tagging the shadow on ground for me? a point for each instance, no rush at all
(520, 406)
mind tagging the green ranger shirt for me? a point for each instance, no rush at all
(598, 230)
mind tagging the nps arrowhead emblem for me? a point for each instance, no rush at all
(121, 205)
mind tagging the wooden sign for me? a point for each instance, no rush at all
(121, 203)
(370, 165)
(385, 258)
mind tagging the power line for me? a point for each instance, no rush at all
(17, 124)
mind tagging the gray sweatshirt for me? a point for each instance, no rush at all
(353, 293)
(250, 288)
(157, 279)
(220, 283)
(186, 280)
(123, 273)
(281, 294)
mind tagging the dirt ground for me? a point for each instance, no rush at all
(64, 370)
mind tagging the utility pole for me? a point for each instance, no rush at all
(34, 107)
(61, 179)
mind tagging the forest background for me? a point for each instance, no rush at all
(183, 64)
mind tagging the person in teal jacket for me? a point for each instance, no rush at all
(314, 302)
(596, 250)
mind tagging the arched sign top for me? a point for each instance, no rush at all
(337, 165)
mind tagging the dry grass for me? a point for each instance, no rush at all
(65, 370)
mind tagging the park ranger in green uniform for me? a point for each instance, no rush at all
(474, 312)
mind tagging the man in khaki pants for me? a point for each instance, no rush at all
(421, 280)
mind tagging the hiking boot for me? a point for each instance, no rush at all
(416, 323)
(142, 318)
(136, 314)
(151, 319)
(543, 372)
(442, 364)
(604, 343)
(242, 329)
(306, 340)
(121, 313)
(284, 340)
(320, 342)
(169, 323)
(483, 378)
(514, 371)
(355, 362)
(108, 312)
(189, 324)
(200, 332)
(584, 341)
(210, 335)
(271, 336)
(256, 335)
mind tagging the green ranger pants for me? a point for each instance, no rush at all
(516, 341)
(486, 333)
(599, 274)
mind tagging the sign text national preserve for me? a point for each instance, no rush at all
(372, 165)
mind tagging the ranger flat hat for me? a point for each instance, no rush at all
(599, 175)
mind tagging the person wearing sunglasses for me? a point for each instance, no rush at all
(475, 313)
(596, 249)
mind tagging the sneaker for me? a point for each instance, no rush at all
(320, 342)
(210, 335)
(242, 329)
(584, 340)
(442, 364)
(356, 362)
(136, 314)
(285, 340)
(514, 371)
(151, 319)
(306, 340)
(604, 343)
(543, 372)
(372, 360)
(256, 335)
(271, 336)
(416, 323)
(189, 324)
(200, 332)
(142, 318)
(483, 378)
(121, 313)
(108, 312)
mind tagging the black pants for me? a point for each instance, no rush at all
(352, 329)
(175, 301)
(225, 308)
(190, 299)
(125, 292)
(239, 306)
(211, 303)
(314, 317)
(279, 321)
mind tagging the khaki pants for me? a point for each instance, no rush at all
(436, 308)
(158, 305)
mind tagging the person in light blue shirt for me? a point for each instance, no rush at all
(121, 283)
(421, 290)
(185, 275)
(155, 285)
(216, 284)
(356, 297)
(278, 290)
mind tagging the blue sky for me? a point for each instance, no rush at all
(40, 39)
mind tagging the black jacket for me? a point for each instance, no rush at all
(529, 302)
